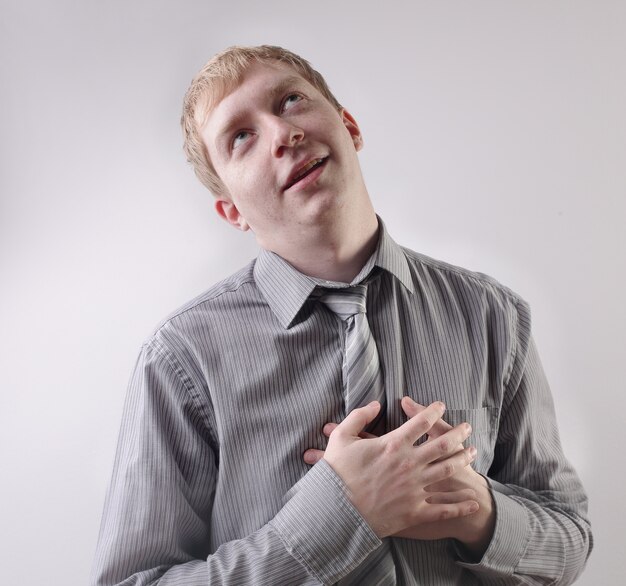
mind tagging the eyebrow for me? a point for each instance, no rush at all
(231, 123)
(286, 83)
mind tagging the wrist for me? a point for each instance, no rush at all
(476, 530)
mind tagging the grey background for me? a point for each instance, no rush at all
(495, 138)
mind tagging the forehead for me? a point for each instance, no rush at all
(222, 87)
(259, 80)
(260, 83)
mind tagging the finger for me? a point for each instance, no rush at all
(313, 456)
(366, 435)
(440, 470)
(356, 421)
(452, 497)
(329, 428)
(420, 424)
(472, 480)
(411, 408)
(437, 512)
(445, 445)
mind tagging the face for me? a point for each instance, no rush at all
(286, 156)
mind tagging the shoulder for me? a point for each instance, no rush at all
(466, 278)
(213, 306)
(433, 277)
(474, 304)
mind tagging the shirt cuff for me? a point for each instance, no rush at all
(321, 528)
(510, 537)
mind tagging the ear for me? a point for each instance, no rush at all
(353, 128)
(228, 211)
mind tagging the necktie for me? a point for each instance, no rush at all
(363, 383)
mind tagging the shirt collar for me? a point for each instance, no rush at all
(286, 289)
(391, 257)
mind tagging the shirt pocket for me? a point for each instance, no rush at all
(484, 422)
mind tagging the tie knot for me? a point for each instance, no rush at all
(345, 302)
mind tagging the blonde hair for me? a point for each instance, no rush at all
(220, 76)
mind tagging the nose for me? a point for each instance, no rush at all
(284, 135)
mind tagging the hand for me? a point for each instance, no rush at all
(474, 531)
(386, 476)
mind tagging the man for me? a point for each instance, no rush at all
(224, 473)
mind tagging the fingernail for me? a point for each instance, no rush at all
(309, 458)
(441, 405)
(472, 452)
(473, 507)
(410, 401)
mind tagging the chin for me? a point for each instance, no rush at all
(322, 209)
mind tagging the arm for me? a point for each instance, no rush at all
(542, 534)
(531, 526)
(537, 532)
(156, 526)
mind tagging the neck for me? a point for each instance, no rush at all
(335, 252)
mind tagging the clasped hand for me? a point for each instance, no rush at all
(398, 486)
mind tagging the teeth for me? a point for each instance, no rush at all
(307, 168)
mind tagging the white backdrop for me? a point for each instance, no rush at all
(495, 138)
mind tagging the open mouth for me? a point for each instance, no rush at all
(309, 168)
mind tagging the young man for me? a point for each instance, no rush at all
(231, 467)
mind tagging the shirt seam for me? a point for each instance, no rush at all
(295, 553)
(182, 375)
(179, 312)
(514, 346)
(485, 281)
(344, 504)
(528, 536)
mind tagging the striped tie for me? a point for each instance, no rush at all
(363, 383)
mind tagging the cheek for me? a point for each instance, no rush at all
(254, 169)
(238, 181)
(248, 191)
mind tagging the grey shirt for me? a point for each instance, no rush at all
(209, 485)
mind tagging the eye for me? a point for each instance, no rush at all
(290, 100)
(240, 138)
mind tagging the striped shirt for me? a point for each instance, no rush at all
(209, 485)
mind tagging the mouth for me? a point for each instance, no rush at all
(305, 171)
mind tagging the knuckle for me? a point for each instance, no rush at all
(392, 446)
(448, 468)
(405, 465)
(443, 445)
(444, 514)
(430, 420)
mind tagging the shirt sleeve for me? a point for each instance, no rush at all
(542, 534)
(156, 524)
